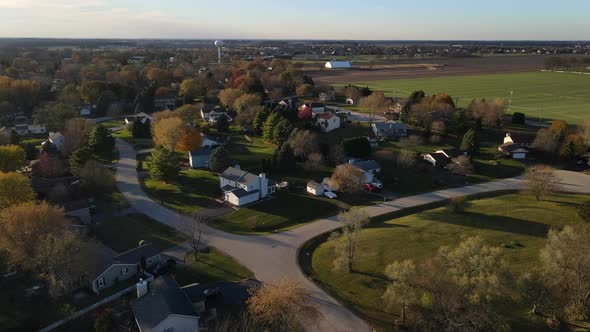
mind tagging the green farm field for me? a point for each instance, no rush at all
(546, 95)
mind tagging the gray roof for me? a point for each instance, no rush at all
(389, 125)
(367, 165)
(248, 178)
(206, 151)
(440, 158)
(511, 147)
(452, 152)
(165, 298)
(233, 174)
(243, 193)
(134, 255)
(210, 108)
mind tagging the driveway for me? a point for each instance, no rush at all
(357, 116)
(273, 257)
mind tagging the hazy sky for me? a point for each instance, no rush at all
(298, 19)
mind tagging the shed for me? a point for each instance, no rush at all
(315, 188)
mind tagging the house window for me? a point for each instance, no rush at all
(101, 282)
(124, 271)
(170, 329)
(149, 261)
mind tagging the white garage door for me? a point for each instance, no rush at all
(519, 155)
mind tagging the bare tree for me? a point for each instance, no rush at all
(585, 131)
(313, 162)
(406, 159)
(541, 181)
(303, 143)
(348, 178)
(546, 141)
(461, 165)
(282, 306)
(197, 234)
(375, 103)
(354, 220)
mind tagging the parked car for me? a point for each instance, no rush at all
(378, 184)
(371, 188)
(164, 268)
(330, 194)
(343, 113)
(212, 291)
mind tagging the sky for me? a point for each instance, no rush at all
(298, 19)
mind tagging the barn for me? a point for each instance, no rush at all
(338, 65)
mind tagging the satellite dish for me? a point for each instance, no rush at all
(219, 43)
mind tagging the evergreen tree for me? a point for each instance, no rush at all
(163, 164)
(220, 160)
(259, 120)
(269, 125)
(222, 124)
(568, 150)
(284, 158)
(137, 128)
(470, 142)
(281, 131)
(79, 158)
(414, 98)
(101, 141)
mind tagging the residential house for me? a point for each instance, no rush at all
(290, 103)
(125, 266)
(212, 113)
(353, 101)
(369, 167)
(450, 153)
(37, 129)
(315, 188)
(143, 117)
(57, 139)
(397, 105)
(210, 141)
(85, 112)
(79, 210)
(163, 103)
(21, 129)
(240, 187)
(438, 159)
(164, 308)
(327, 121)
(389, 129)
(316, 108)
(329, 185)
(200, 158)
(511, 149)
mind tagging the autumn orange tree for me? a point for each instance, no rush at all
(190, 139)
(168, 132)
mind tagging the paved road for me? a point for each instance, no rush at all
(357, 116)
(273, 257)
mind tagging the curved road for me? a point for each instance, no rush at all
(272, 257)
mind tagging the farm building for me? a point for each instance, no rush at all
(338, 65)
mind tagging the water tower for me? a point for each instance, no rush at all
(219, 45)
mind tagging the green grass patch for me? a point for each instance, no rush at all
(517, 223)
(138, 143)
(537, 94)
(284, 211)
(190, 192)
(113, 123)
(124, 233)
(213, 266)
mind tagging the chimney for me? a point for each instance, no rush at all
(142, 288)
(237, 167)
(263, 185)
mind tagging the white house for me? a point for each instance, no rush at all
(240, 187)
(511, 149)
(85, 112)
(327, 121)
(338, 65)
(212, 113)
(315, 188)
(57, 139)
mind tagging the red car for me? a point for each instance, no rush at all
(370, 187)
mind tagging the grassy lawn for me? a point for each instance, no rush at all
(285, 210)
(138, 143)
(537, 94)
(124, 233)
(212, 267)
(113, 123)
(519, 230)
(191, 191)
(249, 152)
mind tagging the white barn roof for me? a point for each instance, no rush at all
(338, 64)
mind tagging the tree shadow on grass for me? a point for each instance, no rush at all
(491, 222)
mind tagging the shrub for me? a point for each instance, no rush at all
(518, 118)
(457, 204)
(584, 211)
